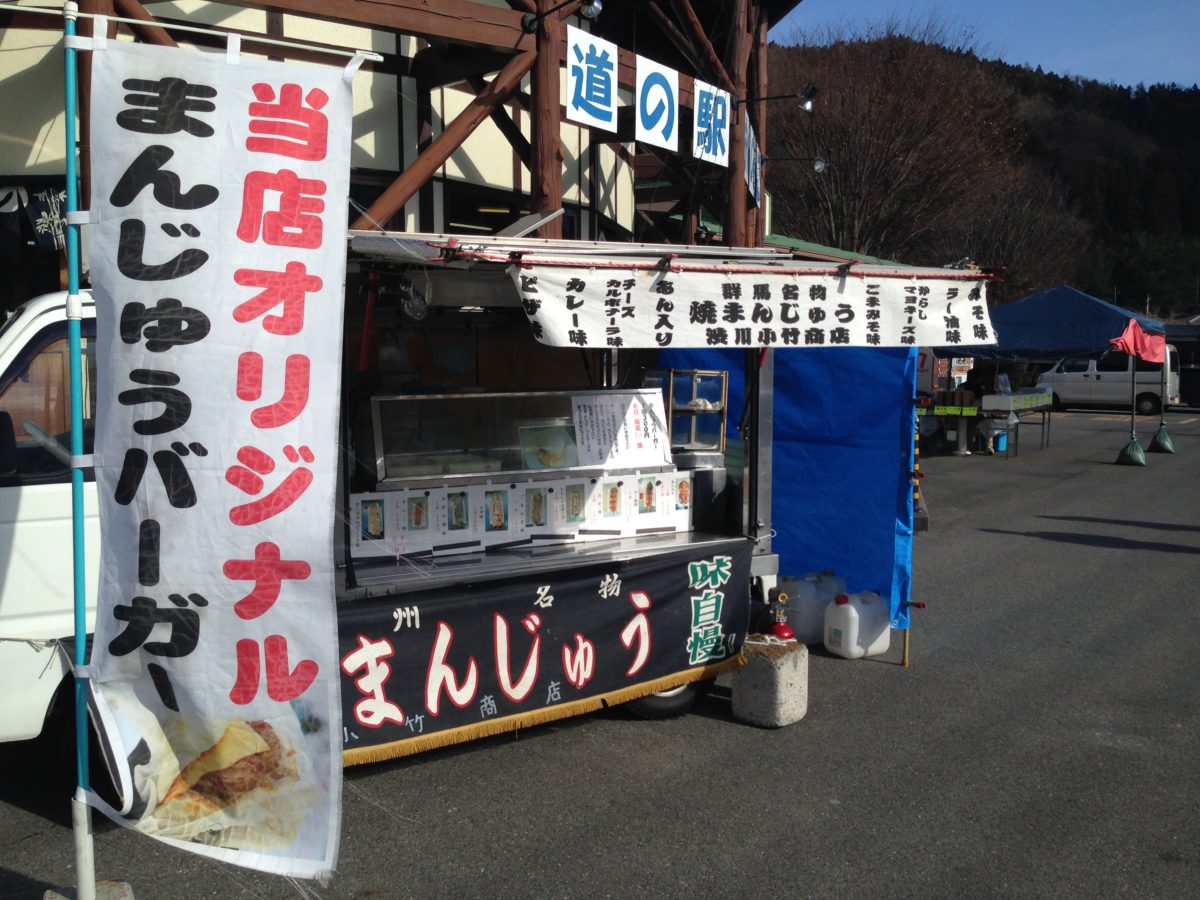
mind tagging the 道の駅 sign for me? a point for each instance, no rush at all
(218, 254)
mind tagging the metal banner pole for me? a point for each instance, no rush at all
(1161, 442)
(1132, 455)
(81, 813)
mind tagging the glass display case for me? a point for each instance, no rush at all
(697, 401)
(461, 473)
(447, 438)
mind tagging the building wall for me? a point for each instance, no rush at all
(385, 127)
(32, 133)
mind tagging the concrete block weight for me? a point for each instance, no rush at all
(771, 689)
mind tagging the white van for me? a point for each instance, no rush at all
(36, 572)
(1106, 382)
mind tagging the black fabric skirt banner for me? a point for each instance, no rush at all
(424, 670)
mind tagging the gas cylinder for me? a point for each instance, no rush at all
(806, 607)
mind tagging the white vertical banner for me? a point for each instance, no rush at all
(219, 188)
(712, 113)
(657, 105)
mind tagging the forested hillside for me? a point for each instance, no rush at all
(936, 155)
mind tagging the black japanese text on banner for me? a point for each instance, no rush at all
(217, 261)
(653, 306)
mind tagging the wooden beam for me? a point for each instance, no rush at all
(456, 21)
(149, 30)
(700, 38)
(438, 67)
(677, 38)
(761, 88)
(84, 81)
(739, 57)
(156, 30)
(510, 129)
(13, 18)
(451, 138)
(545, 186)
(275, 30)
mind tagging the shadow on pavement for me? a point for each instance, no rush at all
(1161, 526)
(18, 887)
(1097, 540)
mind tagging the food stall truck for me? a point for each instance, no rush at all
(527, 531)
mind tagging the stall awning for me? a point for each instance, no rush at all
(607, 295)
(1062, 322)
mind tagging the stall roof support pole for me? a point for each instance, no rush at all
(426, 165)
(759, 235)
(546, 172)
(739, 52)
(760, 376)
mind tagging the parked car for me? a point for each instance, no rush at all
(1106, 382)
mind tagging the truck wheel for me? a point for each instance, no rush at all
(670, 703)
(1148, 405)
(1055, 403)
(56, 751)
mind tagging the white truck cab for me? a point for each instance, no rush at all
(36, 571)
(1106, 382)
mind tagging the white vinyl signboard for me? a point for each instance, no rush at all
(218, 254)
(711, 114)
(668, 306)
(657, 105)
(591, 79)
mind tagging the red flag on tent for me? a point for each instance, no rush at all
(1135, 342)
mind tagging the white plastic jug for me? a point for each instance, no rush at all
(857, 625)
(805, 607)
(829, 583)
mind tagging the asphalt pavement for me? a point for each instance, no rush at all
(1043, 742)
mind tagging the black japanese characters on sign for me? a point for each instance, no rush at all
(460, 658)
(638, 308)
(168, 107)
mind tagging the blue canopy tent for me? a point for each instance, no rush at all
(1065, 322)
(1059, 322)
(843, 455)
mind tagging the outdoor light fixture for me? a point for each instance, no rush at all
(819, 163)
(806, 98)
(590, 10)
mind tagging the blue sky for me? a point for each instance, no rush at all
(1129, 42)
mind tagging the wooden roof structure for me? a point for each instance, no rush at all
(486, 49)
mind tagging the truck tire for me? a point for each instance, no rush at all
(670, 703)
(55, 748)
(1148, 405)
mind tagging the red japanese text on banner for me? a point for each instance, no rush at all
(217, 258)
